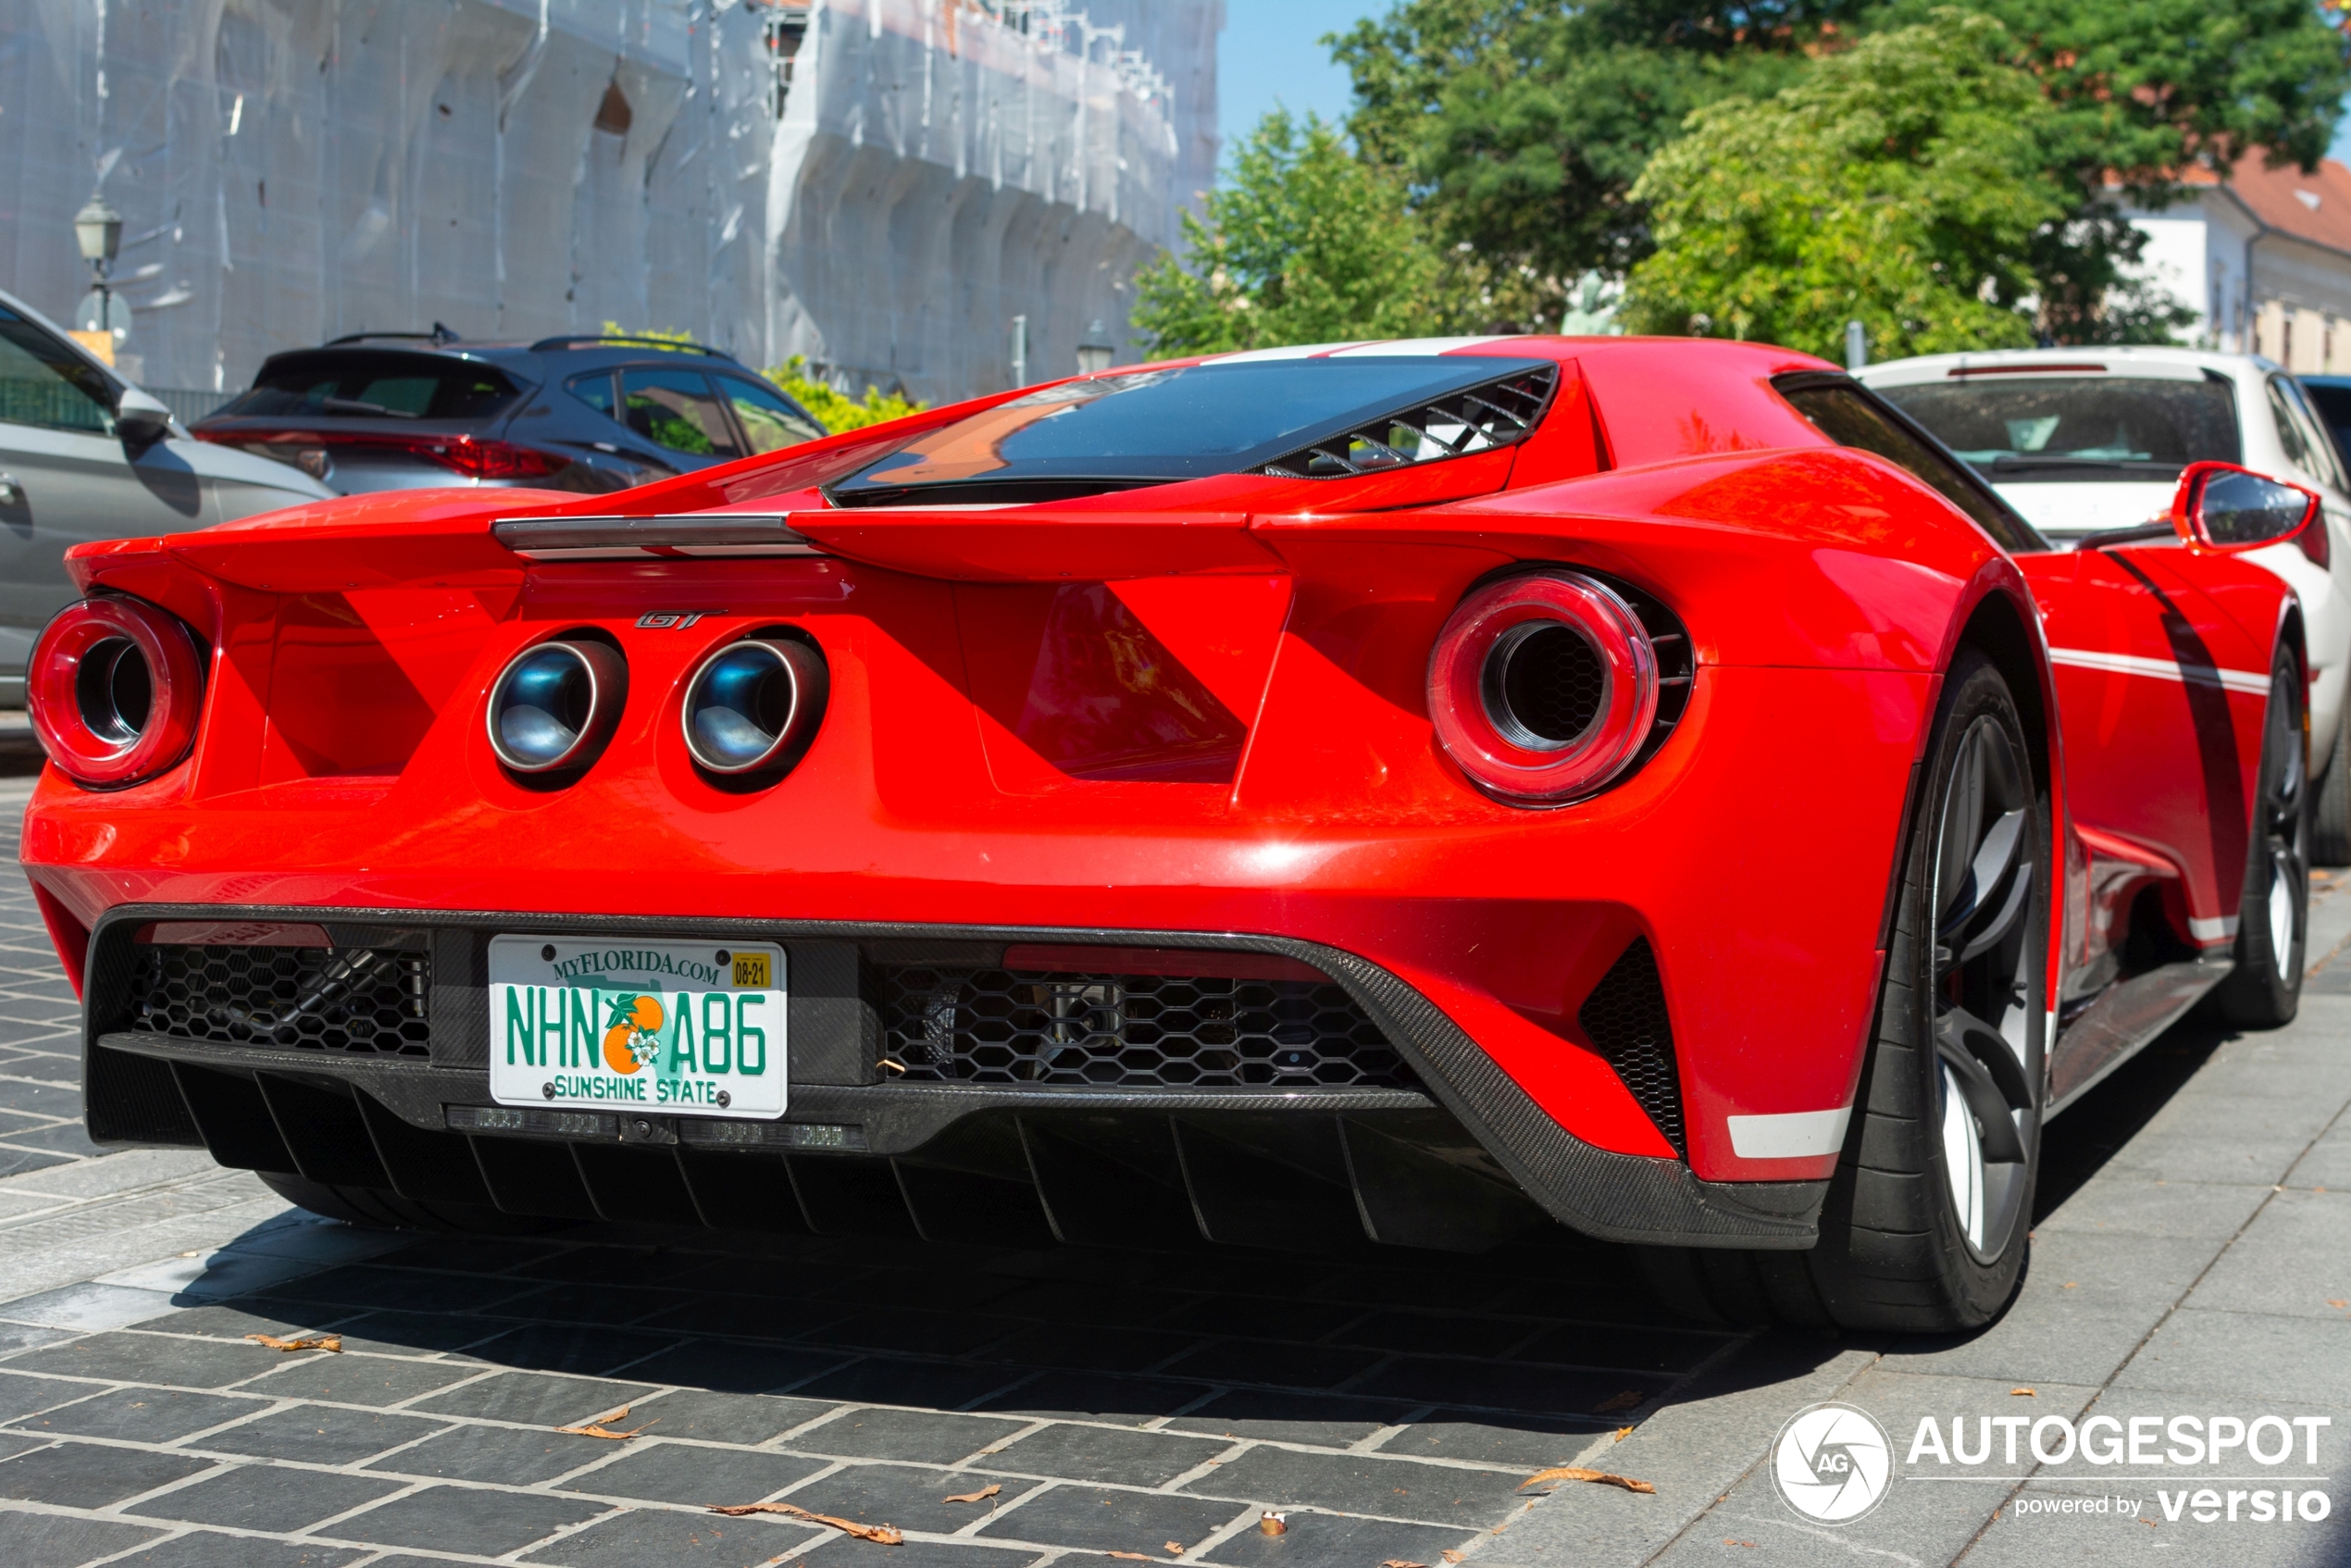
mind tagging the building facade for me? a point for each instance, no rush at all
(2264, 258)
(882, 186)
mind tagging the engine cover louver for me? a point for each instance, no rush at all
(1499, 413)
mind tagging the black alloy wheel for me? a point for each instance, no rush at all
(1928, 1219)
(2265, 990)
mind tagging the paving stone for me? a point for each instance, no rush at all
(511, 1456)
(1087, 1397)
(412, 1332)
(1055, 1302)
(321, 1434)
(230, 1321)
(2328, 1163)
(1400, 1488)
(729, 1418)
(1620, 1347)
(25, 1337)
(41, 1098)
(688, 1473)
(926, 1333)
(1289, 1366)
(843, 1552)
(599, 1304)
(90, 1474)
(469, 1254)
(648, 1535)
(1094, 1453)
(1090, 1346)
(1111, 1521)
(467, 1519)
(2114, 1204)
(88, 1309)
(1450, 1334)
(908, 1496)
(263, 1497)
(1508, 1386)
(889, 1381)
(361, 1284)
(61, 1137)
(924, 1437)
(2246, 1356)
(1320, 1538)
(210, 1549)
(1332, 1421)
(149, 1358)
(748, 1317)
(354, 1379)
(1533, 1441)
(568, 1347)
(735, 1368)
(22, 1396)
(2292, 1259)
(24, 1161)
(613, 1266)
(51, 1540)
(534, 1399)
(142, 1415)
(1255, 1317)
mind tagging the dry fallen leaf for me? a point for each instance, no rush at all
(1176, 1548)
(2067, 1284)
(982, 1495)
(883, 1535)
(1630, 1398)
(1401, 1563)
(1132, 1556)
(1623, 1433)
(1273, 1523)
(1728, 1541)
(2025, 1393)
(1450, 1555)
(2337, 1303)
(323, 1342)
(1575, 1473)
(898, 1067)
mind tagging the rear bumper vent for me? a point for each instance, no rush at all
(1130, 1031)
(1625, 1017)
(366, 1000)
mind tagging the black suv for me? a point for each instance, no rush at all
(410, 410)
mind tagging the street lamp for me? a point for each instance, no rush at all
(97, 228)
(1094, 351)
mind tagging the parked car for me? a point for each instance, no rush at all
(410, 410)
(86, 455)
(2087, 441)
(2331, 398)
(1414, 794)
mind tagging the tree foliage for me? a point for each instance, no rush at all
(838, 410)
(1902, 183)
(1304, 243)
(1522, 126)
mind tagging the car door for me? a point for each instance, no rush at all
(676, 413)
(66, 477)
(2161, 694)
(770, 420)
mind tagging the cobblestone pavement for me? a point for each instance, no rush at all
(1007, 1407)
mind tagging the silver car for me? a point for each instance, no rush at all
(84, 454)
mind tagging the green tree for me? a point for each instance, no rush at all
(1903, 184)
(1306, 243)
(1522, 124)
(838, 410)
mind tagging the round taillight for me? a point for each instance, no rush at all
(1543, 687)
(753, 706)
(114, 689)
(555, 705)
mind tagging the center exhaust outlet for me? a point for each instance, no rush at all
(753, 706)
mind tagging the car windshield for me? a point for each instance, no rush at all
(373, 385)
(1157, 426)
(2071, 429)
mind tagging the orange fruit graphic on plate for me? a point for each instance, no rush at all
(633, 1038)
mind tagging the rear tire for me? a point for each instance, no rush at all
(2273, 916)
(1929, 1215)
(2330, 803)
(388, 1211)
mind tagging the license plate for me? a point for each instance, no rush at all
(692, 1028)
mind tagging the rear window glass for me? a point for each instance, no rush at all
(1155, 426)
(41, 383)
(374, 386)
(1849, 416)
(674, 408)
(2077, 429)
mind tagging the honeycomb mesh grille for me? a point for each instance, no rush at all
(1554, 684)
(1625, 1017)
(360, 1000)
(1133, 1031)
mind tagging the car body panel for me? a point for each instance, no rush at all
(1208, 721)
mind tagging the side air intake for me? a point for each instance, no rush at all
(1625, 1017)
(1499, 413)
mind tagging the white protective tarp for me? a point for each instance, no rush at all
(292, 171)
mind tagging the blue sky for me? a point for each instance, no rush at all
(1268, 55)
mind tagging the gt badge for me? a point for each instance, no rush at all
(659, 620)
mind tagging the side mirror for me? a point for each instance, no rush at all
(141, 418)
(2222, 506)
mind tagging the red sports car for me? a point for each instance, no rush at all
(1404, 790)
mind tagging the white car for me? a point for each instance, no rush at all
(2084, 442)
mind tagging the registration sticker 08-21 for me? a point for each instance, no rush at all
(685, 1029)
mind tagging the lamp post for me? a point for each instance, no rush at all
(97, 228)
(1094, 351)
